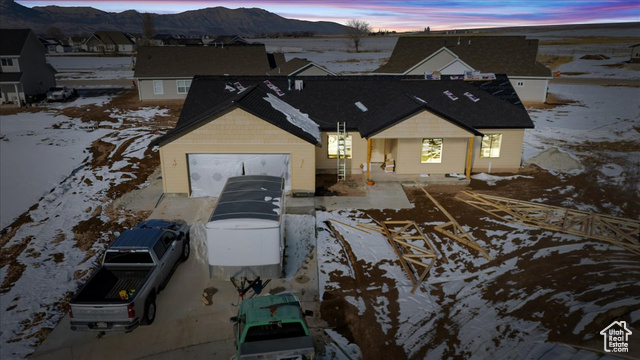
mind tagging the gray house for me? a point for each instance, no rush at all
(165, 72)
(514, 56)
(24, 70)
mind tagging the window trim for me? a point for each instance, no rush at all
(187, 86)
(491, 148)
(431, 161)
(155, 88)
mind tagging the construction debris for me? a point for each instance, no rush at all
(614, 230)
(401, 235)
(453, 230)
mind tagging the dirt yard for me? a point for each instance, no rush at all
(557, 273)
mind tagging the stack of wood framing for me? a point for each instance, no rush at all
(453, 230)
(415, 260)
(621, 232)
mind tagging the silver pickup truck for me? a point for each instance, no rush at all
(122, 294)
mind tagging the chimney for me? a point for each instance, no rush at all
(469, 42)
(458, 40)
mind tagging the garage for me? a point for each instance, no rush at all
(209, 172)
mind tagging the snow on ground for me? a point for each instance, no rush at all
(75, 67)
(483, 323)
(600, 114)
(54, 142)
(74, 191)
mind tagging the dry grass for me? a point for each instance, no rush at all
(590, 40)
(553, 61)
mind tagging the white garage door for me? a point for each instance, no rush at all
(209, 172)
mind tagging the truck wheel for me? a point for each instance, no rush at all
(149, 310)
(186, 249)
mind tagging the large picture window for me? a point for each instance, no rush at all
(183, 86)
(490, 147)
(431, 151)
(332, 146)
(157, 87)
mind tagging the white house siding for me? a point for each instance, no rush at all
(434, 63)
(530, 89)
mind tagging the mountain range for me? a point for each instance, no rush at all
(209, 21)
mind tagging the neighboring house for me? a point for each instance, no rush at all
(455, 55)
(255, 125)
(226, 40)
(50, 44)
(635, 53)
(24, 71)
(165, 72)
(109, 42)
(76, 43)
(300, 67)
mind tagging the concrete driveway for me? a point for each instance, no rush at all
(185, 328)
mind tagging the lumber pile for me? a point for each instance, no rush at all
(621, 232)
(453, 230)
(415, 260)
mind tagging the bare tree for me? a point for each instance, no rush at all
(54, 32)
(356, 30)
(148, 28)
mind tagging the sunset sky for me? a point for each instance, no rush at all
(400, 15)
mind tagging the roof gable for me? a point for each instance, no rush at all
(511, 55)
(12, 41)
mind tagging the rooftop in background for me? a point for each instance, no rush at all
(187, 61)
(511, 55)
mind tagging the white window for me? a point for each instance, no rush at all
(490, 147)
(332, 146)
(520, 83)
(431, 151)
(7, 62)
(183, 86)
(157, 87)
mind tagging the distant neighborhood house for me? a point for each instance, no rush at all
(288, 126)
(25, 72)
(514, 56)
(166, 72)
(300, 67)
(109, 42)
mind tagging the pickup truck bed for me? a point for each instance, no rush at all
(107, 283)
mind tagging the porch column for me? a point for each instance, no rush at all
(469, 157)
(368, 159)
(15, 86)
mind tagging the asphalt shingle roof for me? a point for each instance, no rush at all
(511, 55)
(328, 100)
(12, 41)
(187, 61)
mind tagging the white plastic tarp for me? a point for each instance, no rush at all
(209, 172)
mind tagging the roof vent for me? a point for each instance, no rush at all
(361, 106)
(450, 95)
(419, 99)
(471, 97)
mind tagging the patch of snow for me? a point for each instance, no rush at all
(294, 116)
(352, 350)
(492, 179)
